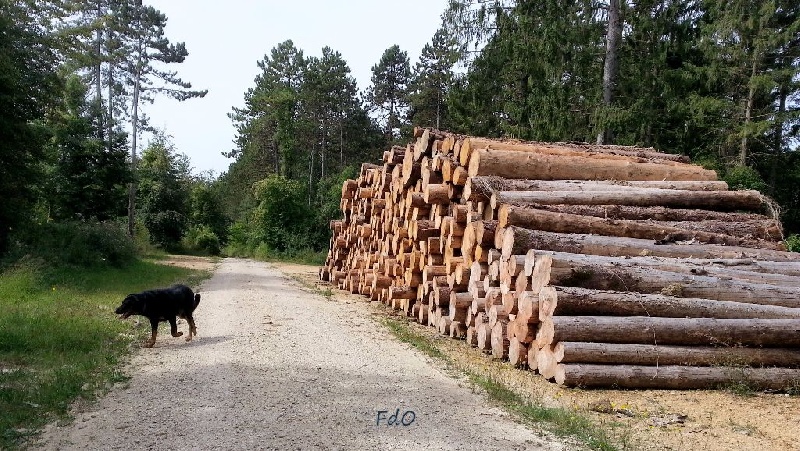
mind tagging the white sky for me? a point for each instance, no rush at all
(225, 39)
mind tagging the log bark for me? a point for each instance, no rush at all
(626, 153)
(639, 354)
(652, 281)
(482, 187)
(670, 331)
(583, 302)
(534, 165)
(753, 233)
(674, 377)
(650, 213)
(686, 267)
(522, 240)
(638, 197)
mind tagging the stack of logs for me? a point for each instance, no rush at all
(590, 265)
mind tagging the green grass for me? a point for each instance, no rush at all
(560, 421)
(262, 253)
(61, 341)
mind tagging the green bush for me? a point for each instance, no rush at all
(282, 218)
(165, 227)
(744, 177)
(793, 243)
(83, 244)
(201, 239)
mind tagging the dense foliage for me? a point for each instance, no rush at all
(716, 80)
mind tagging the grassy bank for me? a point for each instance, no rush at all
(60, 340)
(562, 422)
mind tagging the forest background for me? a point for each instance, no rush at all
(716, 80)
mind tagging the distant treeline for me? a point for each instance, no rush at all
(716, 80)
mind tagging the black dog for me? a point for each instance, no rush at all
(164, 304)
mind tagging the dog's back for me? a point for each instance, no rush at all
(187, 300)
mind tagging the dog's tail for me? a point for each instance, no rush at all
(196, 300)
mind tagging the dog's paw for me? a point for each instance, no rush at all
(149, 344)
(177, 334)
(189, 338)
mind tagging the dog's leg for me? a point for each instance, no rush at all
(154, 328)
(192, 328)
(173, 325)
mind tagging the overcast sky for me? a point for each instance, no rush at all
(225, 39)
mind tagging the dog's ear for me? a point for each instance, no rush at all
(137, 303)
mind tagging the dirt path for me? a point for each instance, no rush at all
(276, 367)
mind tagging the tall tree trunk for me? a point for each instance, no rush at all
(391, 120)
(310, 173)
(110, 119)
(438, 107)
(135, 132)
(341, 143)
(324, 148)
(613, 36)
(277, 155)
(748, 111)
(778, 144)
(98, 84)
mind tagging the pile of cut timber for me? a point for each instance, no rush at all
(589, 265)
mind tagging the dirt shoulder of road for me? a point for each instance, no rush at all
(190, 262)
(639, 419)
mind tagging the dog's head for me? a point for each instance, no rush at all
(131, 305)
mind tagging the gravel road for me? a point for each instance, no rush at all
(277, 367)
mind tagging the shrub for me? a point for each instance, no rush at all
(744, 177)
(202, 239)
(793, 243)
(83, 244)
(165, 227)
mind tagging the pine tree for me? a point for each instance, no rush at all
(28, 88)
(88, 181)
(431, 81)
(329, 96)
(388, 94)
(164, 182)
(142, 36)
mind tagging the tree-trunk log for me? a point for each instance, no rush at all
(751, 234)
(623, 153)
(569, 261)
(670, 331)
(583, 302)
(675, 215)
(484, 337)
(674, 377)
(517, 353)
(482, 187)
(638, 354)
(651, 281)
(533, 352)
(638, 197)
(500, 342)
(522, 240)
(534, 165)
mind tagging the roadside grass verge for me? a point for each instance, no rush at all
(562, 422)
(60, 340)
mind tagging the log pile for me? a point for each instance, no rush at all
(593, 266)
